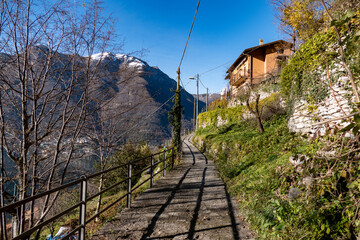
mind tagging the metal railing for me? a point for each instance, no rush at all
(84, 198)
(239, 79)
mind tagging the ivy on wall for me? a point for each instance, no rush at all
(304, 78)
(175, 121)
(301, 78)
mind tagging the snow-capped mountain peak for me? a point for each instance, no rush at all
(101, 56)
(130, 60)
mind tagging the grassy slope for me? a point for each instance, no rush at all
(247, 161)
(258, 173)
(107, 199)
(256, 168)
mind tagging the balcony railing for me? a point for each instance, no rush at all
(238, 79)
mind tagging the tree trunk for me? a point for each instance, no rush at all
(343, 56)
(98, 205)
(259, 123)
(256, 112)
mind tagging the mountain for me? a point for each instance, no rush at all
(82, 104)
(202, 99)
(211, 97)
(148, 91)
(125, 89)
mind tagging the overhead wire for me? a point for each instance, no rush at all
(202, 84)
(191, 28)
(185, 48)
(212, 69)
(146, 117)
(186, 84)
(183, 86)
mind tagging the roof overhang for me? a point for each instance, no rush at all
(248, 52)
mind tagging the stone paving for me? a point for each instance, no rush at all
(190, 202)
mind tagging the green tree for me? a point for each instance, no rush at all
(300, 19)
(175, 121)
(125, 154)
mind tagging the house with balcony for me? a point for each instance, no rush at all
(256, 65)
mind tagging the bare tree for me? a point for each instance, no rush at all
(284, 26)
(343, 61)
(104, 126)
(256, 111)
(46, 83)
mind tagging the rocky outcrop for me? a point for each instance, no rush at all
(306, 117)
(269, 104)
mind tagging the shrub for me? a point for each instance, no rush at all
(126, 153)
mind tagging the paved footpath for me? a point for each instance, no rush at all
(190, 202)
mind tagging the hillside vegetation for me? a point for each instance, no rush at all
(291, 185)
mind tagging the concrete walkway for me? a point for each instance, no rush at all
(191, 202)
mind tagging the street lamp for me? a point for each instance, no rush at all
(197, 99)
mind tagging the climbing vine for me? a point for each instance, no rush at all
(303, 78)
(175, 121)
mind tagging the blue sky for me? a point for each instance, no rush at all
(223, 29)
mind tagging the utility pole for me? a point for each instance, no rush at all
(194, 113)
(178, 79)
(176, 116)
(197, 101)
(207, 98)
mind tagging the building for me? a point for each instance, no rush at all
(257, 64)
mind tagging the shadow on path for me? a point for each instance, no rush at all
(197, 208)
(196, 231)
(206, 159)
(193, 155)
(191, 203)
(151, 227)
(232, 215)
(229, 203)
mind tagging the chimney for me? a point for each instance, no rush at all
(261, 42)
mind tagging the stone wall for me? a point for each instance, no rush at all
(306, 116)
(239, 111)
(237, 102)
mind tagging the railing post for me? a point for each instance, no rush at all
(172, 159)
(152, 171)
(128, 203)
(82, 213)
(14, 226)
(181, 152)
(164, 165)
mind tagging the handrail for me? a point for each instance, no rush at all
(30, 231)
(124, 164)
(39, 195)
(83, 194)
(107, 189)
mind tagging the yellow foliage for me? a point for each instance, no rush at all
(233, 114)
(304, 16)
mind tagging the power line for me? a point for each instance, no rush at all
(182, 83)
(182, 57)
(149, 115)
(202, 83)
(186, 84)
(212, 69)
(187, 41)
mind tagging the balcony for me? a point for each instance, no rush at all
(238, 80)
